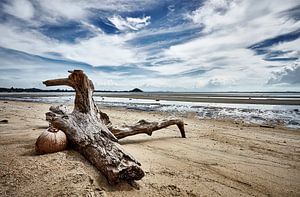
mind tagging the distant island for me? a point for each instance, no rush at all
(12, 89)
(136, 90)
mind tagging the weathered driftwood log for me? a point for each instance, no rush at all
(90, 131)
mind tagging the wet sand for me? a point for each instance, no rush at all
(209, 98)
(218, 158)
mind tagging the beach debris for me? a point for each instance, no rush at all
(50, 141)
(91, 132)
(4, 121)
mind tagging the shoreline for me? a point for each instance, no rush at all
(273, 114)
(192, 115)
(217, 158)
(229, 100)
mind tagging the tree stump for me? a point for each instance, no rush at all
(90, 131)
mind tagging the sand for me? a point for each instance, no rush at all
(218, 158)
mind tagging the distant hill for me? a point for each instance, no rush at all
(136, 90)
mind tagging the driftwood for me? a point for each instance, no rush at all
(146, 127)
(90, 131)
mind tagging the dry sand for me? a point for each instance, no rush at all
(218, 158)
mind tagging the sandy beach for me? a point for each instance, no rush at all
(218, 158)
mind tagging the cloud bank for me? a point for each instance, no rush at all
(213, 45)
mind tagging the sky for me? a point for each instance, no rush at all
(167, 45)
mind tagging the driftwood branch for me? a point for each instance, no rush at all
(58, 82)
(146, 127)
(91, 132)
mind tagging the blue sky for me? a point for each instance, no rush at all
(171, 45)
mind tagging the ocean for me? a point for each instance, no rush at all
(261, 108)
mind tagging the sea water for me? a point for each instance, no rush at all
(262, 114)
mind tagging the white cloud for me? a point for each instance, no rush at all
(24, 40)
(22, 9)
(217, 82)
(212, 12)
(170, 69)
(55, 11)
(231, 27)
(100, 50)
(288, 46)
(217, 14)
(129, 23)
(92, 27)
(287, 75)
(67, 9)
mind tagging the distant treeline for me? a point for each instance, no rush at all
(12, 89)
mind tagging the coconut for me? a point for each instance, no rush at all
(50, 141)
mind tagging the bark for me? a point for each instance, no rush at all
(90, 131)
